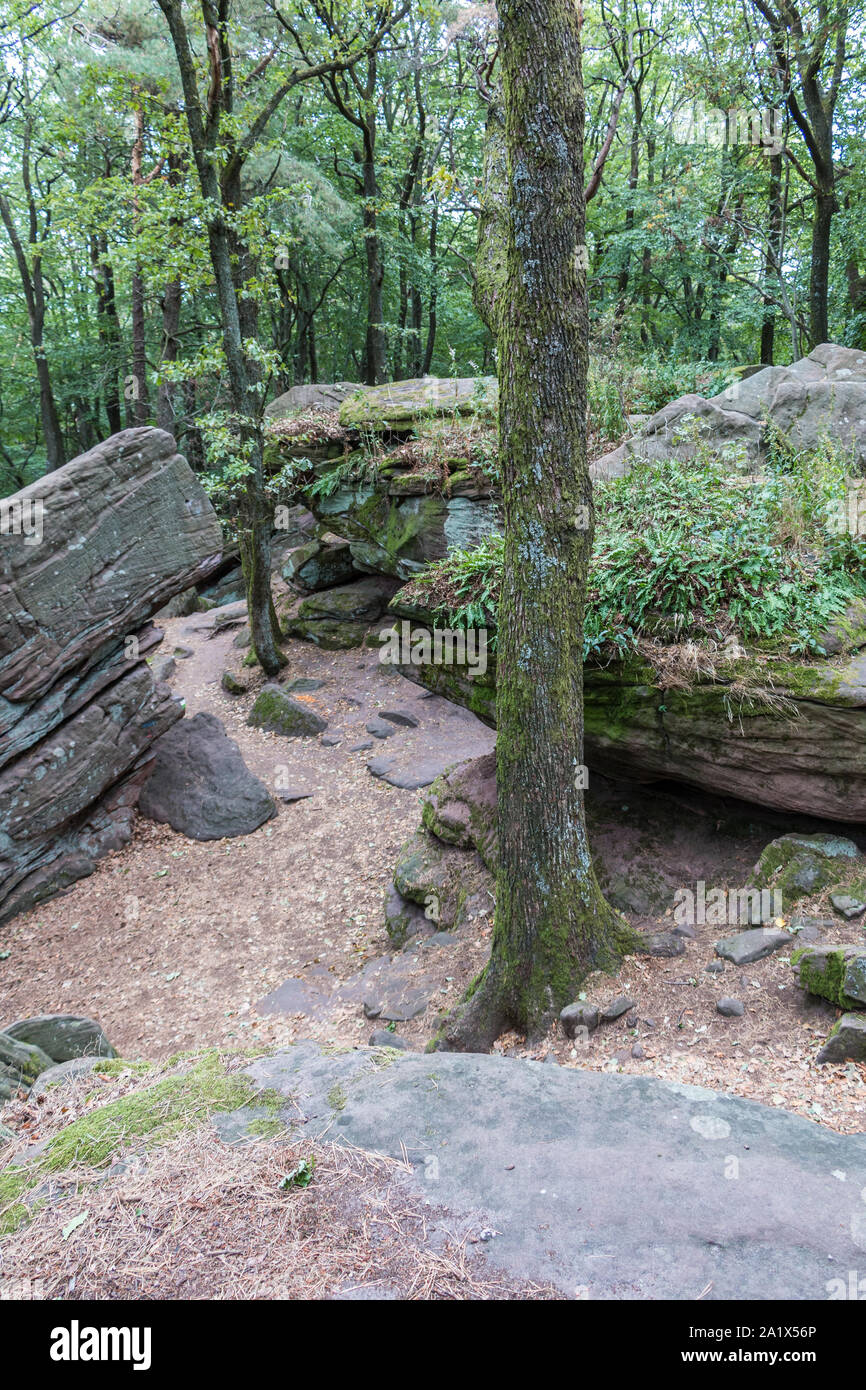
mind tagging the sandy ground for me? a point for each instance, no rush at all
(174, 944)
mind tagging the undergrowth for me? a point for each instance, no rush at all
(688, 549)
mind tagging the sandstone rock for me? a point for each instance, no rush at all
(748, 946)
(804, 750)
(847, 1041)
(401, 405)
(820, 396)
(231, 685)
(379, 729)
(127, 526)
(847, 906)
(328, 633)
(279, 713)
(404, 919)
(616, 1008)
(443, 881)
(62, 1036)
(320, 564)
(577, 1017)
(201, 785)
(363, 601)
(799, 865)
(837, 973)
(321, 396)
(411, 775)
(730, 1008)
(461, 808)
(70, 798)
(382, 1038)
(24, 1060)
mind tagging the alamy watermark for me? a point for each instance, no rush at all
(725, 907)
(22, 516)
(442, 646)
(700, 124)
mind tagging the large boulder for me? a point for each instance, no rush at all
(201, 785)
(409, 405)
(126, 526)
(820, 397)
(123, 529)
(318, 396)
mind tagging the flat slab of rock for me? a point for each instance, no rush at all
(201, 785)
(279, 713)
(610, 1184)
(420, 773)
(748, 946)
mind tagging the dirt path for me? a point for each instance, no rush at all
(174, 943)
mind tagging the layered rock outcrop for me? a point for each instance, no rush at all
(123, 529)
(784, 734)
(820, 398)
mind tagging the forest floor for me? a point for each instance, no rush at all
(257, 941)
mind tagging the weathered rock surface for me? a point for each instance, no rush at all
(201, 785)
(821, 396)
(402, 405)
(320, 564)
(748, 946)
(325, 396)
(798, 865)
(125, 528)
(594, 1141)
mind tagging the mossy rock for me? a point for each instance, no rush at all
(146, 1117)
(279, 713)
(22, 1059)
(231, 685)
(439, 878)
(327, 633)
(798, 866)
(847, 1041)
(837, 973)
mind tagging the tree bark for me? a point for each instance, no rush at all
(552, 923)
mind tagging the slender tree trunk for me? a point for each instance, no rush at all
(819, 280)
(772, 258)
(108, 330)
(140, 401)
(256, 519)
(30, 273)
(375, 354)
(552, 923)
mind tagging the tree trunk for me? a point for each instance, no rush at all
(552, 923)
(32, 285)
(375, 355)
(819, 280)
(140, 402)
(772, 261)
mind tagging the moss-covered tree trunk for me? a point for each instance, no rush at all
(552, 923)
